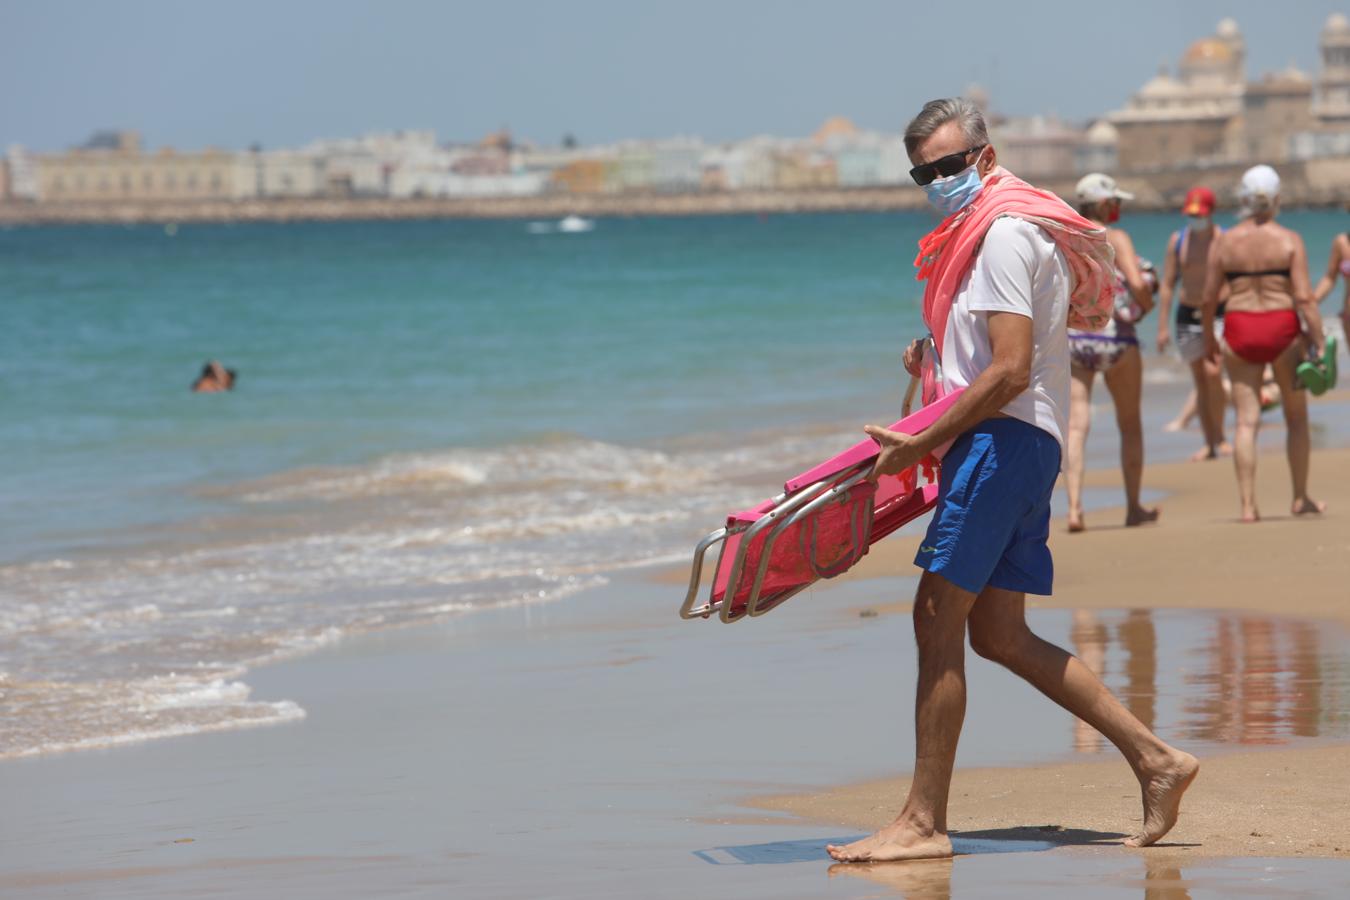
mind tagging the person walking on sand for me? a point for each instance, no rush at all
(1337, 265)
(1113, 351)
(1265, 267)
(1004, 271)
(1186, 262)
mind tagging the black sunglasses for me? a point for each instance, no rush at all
(942, 168)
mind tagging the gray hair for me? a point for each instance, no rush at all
(936, 113)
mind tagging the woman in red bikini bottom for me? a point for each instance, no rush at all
(1266, 268)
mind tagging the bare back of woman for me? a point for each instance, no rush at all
(1265, 267)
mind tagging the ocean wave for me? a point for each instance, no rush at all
(156, 641)
(527, 466)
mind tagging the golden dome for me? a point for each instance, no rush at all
(835, 126)
(1207, 50)
(497, 140)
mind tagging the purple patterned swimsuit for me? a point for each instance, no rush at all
(1098, 351)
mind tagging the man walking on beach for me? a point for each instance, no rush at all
(1187, 262)
(1007, 269)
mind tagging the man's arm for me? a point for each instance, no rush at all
(1328, 280)
(1010, 341)
(1170, 274)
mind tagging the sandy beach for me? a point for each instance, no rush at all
(1198, 556)
(591, 745)
(1269, 803)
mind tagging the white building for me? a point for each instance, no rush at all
(410, 182)
(858, 165)
(1097, 152)
(1332, 103)
(749, 165)
(23, 180)
(677, 165)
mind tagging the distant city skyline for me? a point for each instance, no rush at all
(229, 75)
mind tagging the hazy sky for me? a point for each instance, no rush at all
(282, 72)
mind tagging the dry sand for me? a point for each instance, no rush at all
(1199, 556)
(1286, 802)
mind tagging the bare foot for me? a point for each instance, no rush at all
(1250, 516)
(1141, 516)
(1175, 425)
(1219, 451)
(899, 840)
(1305, 505)
(1162, 789)
(1076, 523)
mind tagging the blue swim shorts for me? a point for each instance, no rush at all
(993, 512)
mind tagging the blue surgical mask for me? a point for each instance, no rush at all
(955, 192)
(1198, 223)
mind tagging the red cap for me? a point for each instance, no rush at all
(1199, 202)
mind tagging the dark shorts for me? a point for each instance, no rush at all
(993, 514)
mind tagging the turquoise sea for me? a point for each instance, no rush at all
(430, 417)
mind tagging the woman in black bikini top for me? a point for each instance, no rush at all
(1261, 327)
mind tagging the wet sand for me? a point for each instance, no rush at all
(1270, 803)
(602, 747)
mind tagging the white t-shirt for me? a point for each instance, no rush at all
(1019, 269)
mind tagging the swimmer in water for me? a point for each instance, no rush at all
(214, 378)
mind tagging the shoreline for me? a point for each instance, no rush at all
(547, 206)
(1154, 195)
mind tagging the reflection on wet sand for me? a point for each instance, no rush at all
(1089, 644)
(1164, 882)
(931, 879)
(920, 879)
(1234, 679)
(1140, 641)
(1264, 681)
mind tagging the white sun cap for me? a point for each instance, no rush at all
(1259, 181)
(1097, 187)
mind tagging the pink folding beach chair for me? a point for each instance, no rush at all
(823, 522)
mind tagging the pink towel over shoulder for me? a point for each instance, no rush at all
(948, 253)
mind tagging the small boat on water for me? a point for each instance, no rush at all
(575, 224)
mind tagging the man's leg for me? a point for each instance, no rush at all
(1210, 405)
(1125, 381)
(920, 831)
(999, 632)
